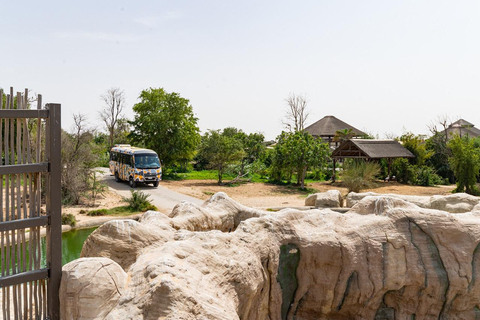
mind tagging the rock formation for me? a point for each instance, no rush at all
(384, 259)
(91, 287)
(329, 199)
(453, 203)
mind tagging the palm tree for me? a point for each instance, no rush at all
(344, 135)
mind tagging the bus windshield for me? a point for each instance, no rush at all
(147, 161)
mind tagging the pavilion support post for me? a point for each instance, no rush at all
(389, 165)
(334, 170)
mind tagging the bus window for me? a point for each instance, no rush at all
(147, 161)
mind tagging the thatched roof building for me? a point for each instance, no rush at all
(462, 128)
(371, 149)
(327, 127)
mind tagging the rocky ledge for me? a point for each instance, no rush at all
(385, 258)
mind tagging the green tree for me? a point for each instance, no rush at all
(438, 144)
(344, 135)
(416, 145)
(165, 123)
(252, 145)
(221, 149)
(465, 162)
(418, 170)
(295, 153)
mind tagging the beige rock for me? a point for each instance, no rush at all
(90, 288)
(454, 203)
(220, 212)
(384, 259)
(329, 199)
(127, 237)
(380, 205)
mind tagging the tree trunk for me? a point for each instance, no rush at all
(111, 139)
(299, 175)
(220, 174)
(304, 172)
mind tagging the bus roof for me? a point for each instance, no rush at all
(131, 150)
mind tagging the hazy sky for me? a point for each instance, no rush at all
(385, 67)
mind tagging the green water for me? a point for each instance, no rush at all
(72, 243)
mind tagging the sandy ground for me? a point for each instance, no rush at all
(259, 195)
(109, 199)
(270, 195)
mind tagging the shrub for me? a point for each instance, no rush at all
(359, 174)
(69, 219)
(98, 212)
(419, 175)
(404, 171)
(427, 177)
(139, 201)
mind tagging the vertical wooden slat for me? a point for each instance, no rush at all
(2, 234)
(25, 146)
(36, 256)
(1, 176)
(28, 190)
(12, 202)
(6, 271)
(18, 209)
(54, 230)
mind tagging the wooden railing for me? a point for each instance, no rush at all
(30, 205)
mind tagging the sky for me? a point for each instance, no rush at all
(385, 67)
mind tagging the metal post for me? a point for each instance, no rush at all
(54, 209)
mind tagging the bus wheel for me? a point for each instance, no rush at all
(155, 184)
(117, 178)
(132, 183)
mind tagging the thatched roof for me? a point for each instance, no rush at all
(371, 149)
(462, 128)
(328, 126)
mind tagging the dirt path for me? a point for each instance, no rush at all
(164, 199)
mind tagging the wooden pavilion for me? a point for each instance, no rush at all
(370, 149)
(327, 127)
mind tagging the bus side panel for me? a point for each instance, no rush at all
(126, 171)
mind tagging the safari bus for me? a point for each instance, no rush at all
(135, 165)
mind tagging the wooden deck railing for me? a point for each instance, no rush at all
(30, 200)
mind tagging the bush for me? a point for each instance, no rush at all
(139, 201)
(69, 219)
(359, 174)
(427, 177)
(96, 213)
(415, 174)
(404, 171)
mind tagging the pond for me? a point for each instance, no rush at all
(72, 243)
